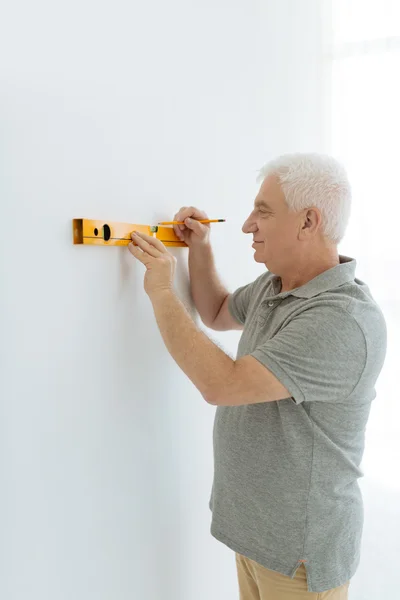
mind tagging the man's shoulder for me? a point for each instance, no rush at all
(354, 299)
(358, 301)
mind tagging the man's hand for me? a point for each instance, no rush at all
(159, 263)
(192, 233)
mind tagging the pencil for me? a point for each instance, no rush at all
(199, 220)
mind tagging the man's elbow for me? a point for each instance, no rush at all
(224, 389)
(214, 397)
(210, 399)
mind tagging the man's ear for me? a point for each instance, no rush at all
(310, 223)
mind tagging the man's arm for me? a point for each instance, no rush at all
(224, 320)
(206, 288)
(221, 380)
(216, 375)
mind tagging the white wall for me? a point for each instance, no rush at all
(364, 48)
(126, 111)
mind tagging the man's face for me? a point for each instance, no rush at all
(274, 228)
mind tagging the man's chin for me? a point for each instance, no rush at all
(259, 258)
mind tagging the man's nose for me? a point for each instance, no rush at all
(249, 226)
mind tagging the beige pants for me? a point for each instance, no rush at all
(258, 583)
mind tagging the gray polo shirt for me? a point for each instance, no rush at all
(285, 487)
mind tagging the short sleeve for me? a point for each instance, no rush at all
(319, 355)
(240, 300)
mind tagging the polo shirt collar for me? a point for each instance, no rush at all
(342, 273)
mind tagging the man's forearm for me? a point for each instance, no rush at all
(206, 365)
(207, 291)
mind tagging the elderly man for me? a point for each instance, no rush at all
(293, 407)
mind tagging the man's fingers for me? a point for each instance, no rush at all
(135, 251)
(195, 226)
(180, 217)
(192, 212)
(151, 245)
(188, 212)
(177, 230)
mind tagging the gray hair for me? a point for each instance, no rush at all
(314, 180)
